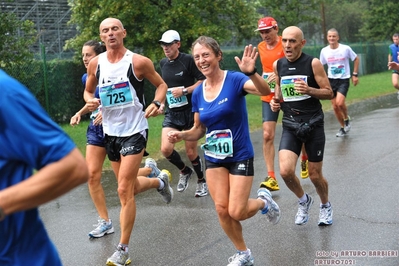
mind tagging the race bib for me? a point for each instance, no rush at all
(337, 70)
(95, 113)
(115, 95)
(219, 144)
(272, 84)
(288, 89)
(175, 102)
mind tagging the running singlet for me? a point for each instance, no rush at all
(394, 52)
(226, 120)
(267, 58)
(337, 61)
(121, 95)
(288, 72)
(26, 144)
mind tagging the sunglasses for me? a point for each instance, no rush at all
(163, 44)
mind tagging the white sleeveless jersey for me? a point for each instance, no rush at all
(122, 110)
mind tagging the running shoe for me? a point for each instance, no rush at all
(304, 169)
(169, 175)
(119, 258)
(270, 183)
(241, 259)
(347, 124)
(102, 228)
(151, 163)
(272, 210)
(201, 190)
(341, 132)
(325, 216)
(166, 191)
(182, 185)
(302, 216)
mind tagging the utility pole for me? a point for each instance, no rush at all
(323, 23)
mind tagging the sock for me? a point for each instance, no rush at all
(175, 159)
(246, 252)
(271, 174)
(161, 184)
(123, 247)
(304, 157)
(304, 198)
(266, 207)
(328, 204)
(197, 165)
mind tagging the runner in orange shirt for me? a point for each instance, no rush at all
(270, 49)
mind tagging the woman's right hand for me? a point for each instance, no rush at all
(75, 120)
(175, 136)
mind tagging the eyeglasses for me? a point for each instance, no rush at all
(163, 44)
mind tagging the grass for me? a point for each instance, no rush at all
(370, 86)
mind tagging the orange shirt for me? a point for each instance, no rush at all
(267, 58)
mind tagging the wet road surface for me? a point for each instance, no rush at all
(362, 170)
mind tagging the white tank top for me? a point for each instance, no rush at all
(122, 111)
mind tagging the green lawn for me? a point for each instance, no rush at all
(370, 86)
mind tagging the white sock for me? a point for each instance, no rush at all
(161, 184)
(303, 199)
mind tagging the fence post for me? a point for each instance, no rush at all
(43, 52)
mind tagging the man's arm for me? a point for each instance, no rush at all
(91, 84)
(355, 79)
(144, 68)
(48, 183)
(324, 92)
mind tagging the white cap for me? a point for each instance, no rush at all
(170, 36)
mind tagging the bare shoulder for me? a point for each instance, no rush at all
(92, 64)
(142, 65)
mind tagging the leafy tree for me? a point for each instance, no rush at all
(146, 20)
(380, 20)
(291, 12)
(347, 23)
(16, 37)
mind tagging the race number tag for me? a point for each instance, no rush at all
(272, 84)
(219, 144)
(175, 102)
(95, 113)
(337, 70)
(114, 95)
(288, 89)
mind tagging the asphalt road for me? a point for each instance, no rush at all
(362, 170)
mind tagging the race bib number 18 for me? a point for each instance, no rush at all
(287, 85)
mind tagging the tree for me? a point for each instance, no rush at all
(16, 37)
(380, 20)
(291, 12)
(347, 23)
(146, 20)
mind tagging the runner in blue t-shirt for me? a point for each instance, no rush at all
(219, 108)
(31, 142)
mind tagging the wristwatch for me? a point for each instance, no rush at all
(354, 74)
(157, 103)
(185, 91)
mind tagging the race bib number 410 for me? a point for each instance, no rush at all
(288, 91)
(219, 144)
